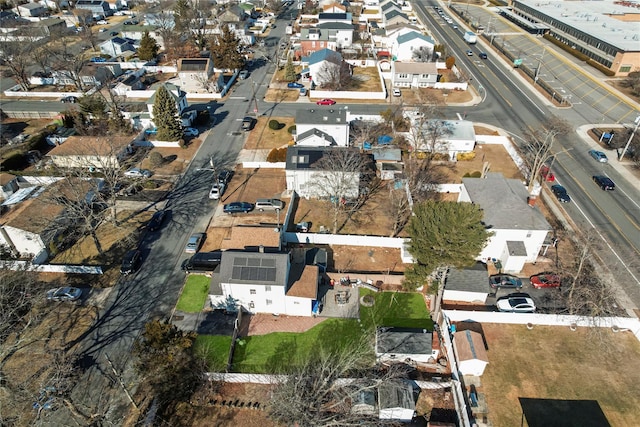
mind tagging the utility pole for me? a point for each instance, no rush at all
(626, 147)
(535, 78)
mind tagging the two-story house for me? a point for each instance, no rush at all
(264, 282)
(414, 74)
(339, 32)
(405, 46)
(98, 8)
(519, 230)
(178, 95)
(320, 65)
(117, 46)
(315, 39)
(194, 75)
(331, 125)
(32, 9)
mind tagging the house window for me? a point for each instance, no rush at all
(267, 288)
(625, 68)
(252, 305)
(321, 44)
(528, 234)
(269, 302)
(313, 44)
(296, 303)
(252, 291)
(403, 76)
(424, 76)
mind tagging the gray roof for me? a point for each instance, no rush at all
(322, 116)
(389, 154)
(393, 13)
(316, 132)
(403, 341)
(472, 279)
(416, 68)
(335, 26)
(301, 158)
(396, 394)
(31, 6)
(254, 268)
(504, 202)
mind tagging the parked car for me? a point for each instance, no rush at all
(194, 243)
(127, 23)
(294, 85)
(69, 100)
(545, 280)
(217, 190)
(561, 193)
(303, 91)
(64, 294)
(520, 303)
(224, 176)
(102, 22)
(98, 59)
(151, 131)
(396, 92)
(138, 173)
(238, 207)
(190, 132)
(326, 101)
(130, 262)
(203, 261)
(156, 220)
(504, 281)
(604, 182)
(482, 55)
(599, 156)
(113, 33)
(243, 74)
(269, 204)
(247, 123)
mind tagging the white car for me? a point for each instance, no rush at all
(64, 294)
(138, 173)
(516, 303)
(191, 132)
(118, 13)
(396, 92)
(216, 191)
(102, 22)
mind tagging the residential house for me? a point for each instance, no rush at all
(383, 38)
(331, 124)
(334, 8)
(345, 18)
(470, 352)
(179, 96)
(92, 152)
(388, 162)
(32, 9)
(161, 20)
(117, 46)
(414, 74)
(407, 45)
(98, 8)
(93, 75)
(263, 282)
(388, 6)
(8, 185)
(194, 75)
(467, 285)
(339, 32)
(445, 136)
(233, 16)
(304, 175)
(396, 400)
(321, 64)
(405, 345)
(52, 26)
(519, 231)
(131, 82)
(394, 17)
(314, 39)
(253, 238)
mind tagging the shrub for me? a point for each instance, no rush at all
(450, 62)
(466, 156)
(150, 184)
(182, 143)
(156, 159)
(15, 161)
(274, 124)
(607, 72)
(292, 129)
(277, 155)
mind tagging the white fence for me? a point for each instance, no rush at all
(149, 143)
(451, 86)
(264, 165)
(50, 268)
(344, 239)
(16, 91)
(458, 394)
(246, 378)
(346, 94)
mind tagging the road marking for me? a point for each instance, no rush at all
(622, 191)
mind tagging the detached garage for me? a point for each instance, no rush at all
(471, 353)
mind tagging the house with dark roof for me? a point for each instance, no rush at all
(32, 9)
(405, 345)
(196, 75)
(470, 352)
(320, 65)
(339, 32)
(305, 175)
(315, 39)
(406, 45)
(468, 285)
(178, 95)
(96, 7)
(394, 17)
(346, 18)
(117, 46)
(519, 231)
(265, 282)
(331, 123)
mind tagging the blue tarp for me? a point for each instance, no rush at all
(384, 139)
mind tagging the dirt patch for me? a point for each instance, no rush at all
(262, 137)
(626, 90)
(248, 185)
(282, 95)
(480, 130)
(176, 160)
(356, 258)
(493, 154)
(435, 96)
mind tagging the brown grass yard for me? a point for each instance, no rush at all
(262, 137)
(495, 155)
(282, 95)
(555, 363)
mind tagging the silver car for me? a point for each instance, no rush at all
(194, 243)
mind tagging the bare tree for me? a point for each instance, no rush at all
(423, 54)
(17, 55)
(334, 76)
(66, 63)
(337, 178)
(275, 6)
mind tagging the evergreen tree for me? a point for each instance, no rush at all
(289, 71)
(165, 116)
(444, 234)
(182, 14)
(148, 47)
(225, 50)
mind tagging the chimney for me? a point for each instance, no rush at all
(261, 249)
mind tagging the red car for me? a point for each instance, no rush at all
(326, 102)
(545, 280)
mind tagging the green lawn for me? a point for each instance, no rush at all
(406, 310)
(215, 348)
(194, 294)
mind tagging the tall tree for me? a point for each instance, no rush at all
(443, 234)
(165, 116)
(225, 50)
(149, 48)
(334, 76)
(182, 13)
(18, 57)
(290, 70)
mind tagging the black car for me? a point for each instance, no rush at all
(235, 207)
(247, 123)
(482, 55)
(156, 220)
(131, 262)
(224, 176)
(69, 100)
(203, 261)
(561, 193)
(604, 182)
(113, 33)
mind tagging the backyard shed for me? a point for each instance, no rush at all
(471, 353)
(396, 401)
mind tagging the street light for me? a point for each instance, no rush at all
(537, 73)
(626, 147)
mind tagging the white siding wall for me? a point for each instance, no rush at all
(296, 306)
(25, 241)
(303, 182)
(463, 296)
(260, 298)
(340, 133)
(497, 242)
(396, 414)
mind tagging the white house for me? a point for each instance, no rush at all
(396, 401)
(405, 46)
(32, 9)
(468, 285)
(180, 98)
(263, 282)
(117, 46)
(405, 345)
(414, 74)
(471, 353)
(304, 176)
(320, 64)
(519, 230)
(8, 185)
(339, 32)
(196, 75)
(331, 123)
(444, 136)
